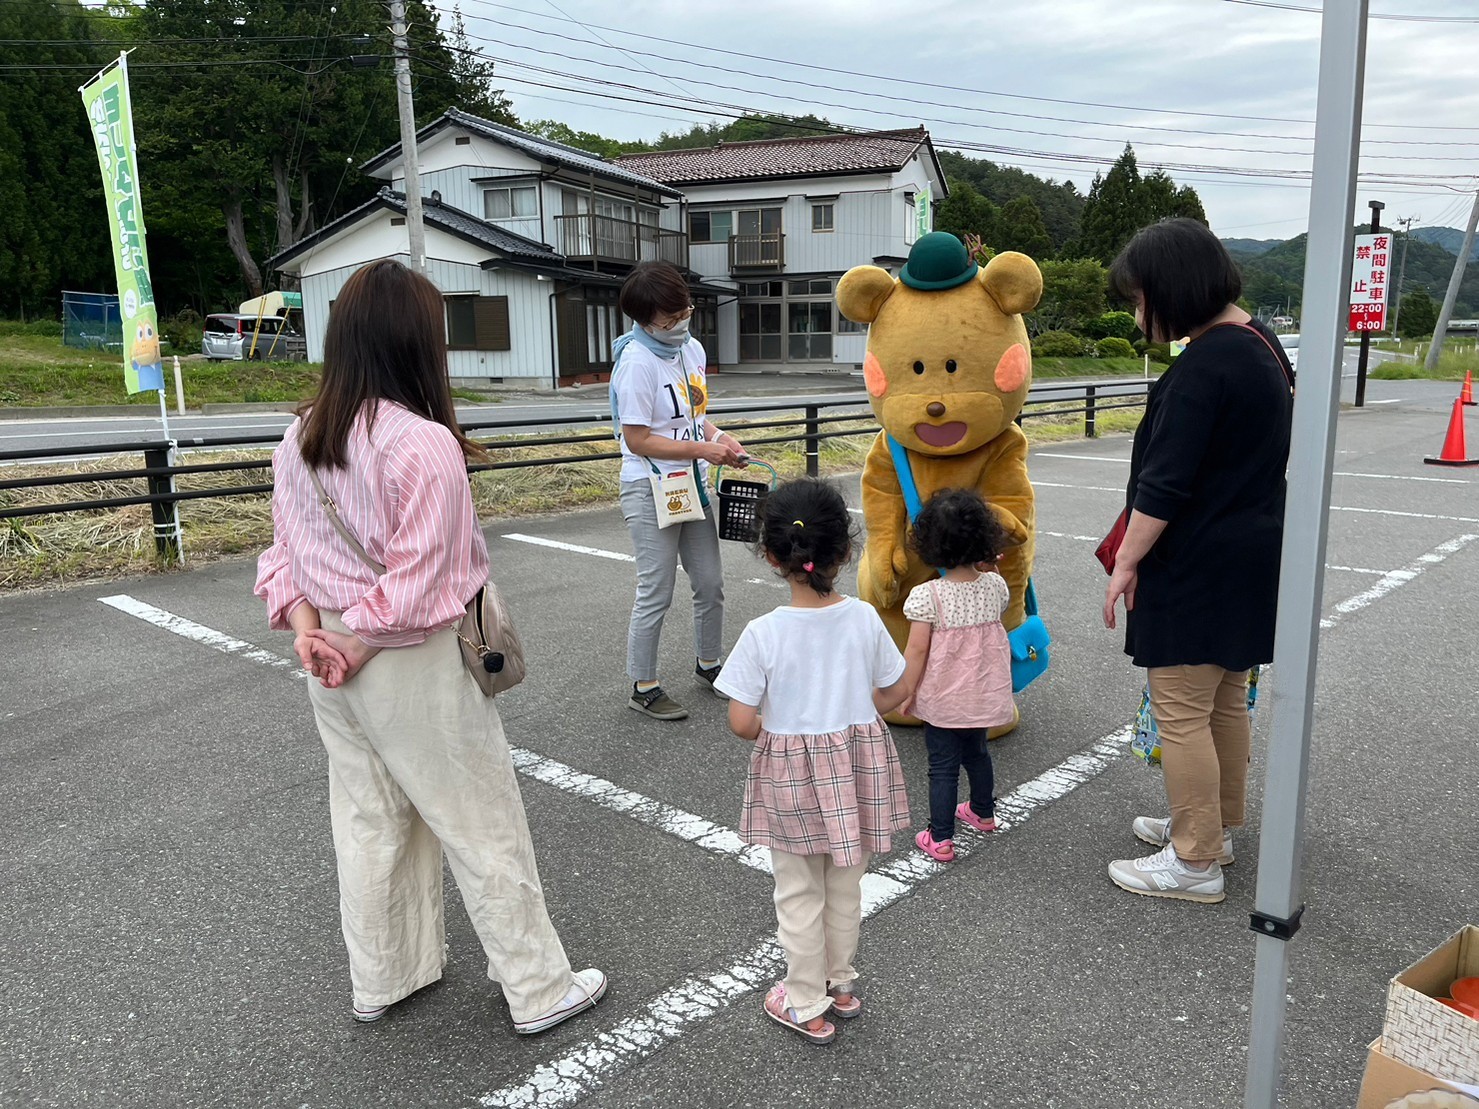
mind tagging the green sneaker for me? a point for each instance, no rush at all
(656, 704)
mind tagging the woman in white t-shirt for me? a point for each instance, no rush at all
(824, 792)
(658, 399)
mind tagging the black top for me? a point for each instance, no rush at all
(1210, 456)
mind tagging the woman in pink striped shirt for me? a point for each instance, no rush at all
(418, 762)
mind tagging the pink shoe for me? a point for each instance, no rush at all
(966, 815)
(942, 851)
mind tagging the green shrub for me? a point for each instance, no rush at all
(183, 331)
(1114, 347)
(1158, 352)
(1112, 325)
(1058, 344)
(46, 329)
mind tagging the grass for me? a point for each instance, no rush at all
(1453, 363)
(56, 549)
(1091, 367)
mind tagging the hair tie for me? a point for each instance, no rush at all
(808, 566)
(798, 523)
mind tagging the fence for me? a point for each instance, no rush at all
(1087, 400)
(91, 321)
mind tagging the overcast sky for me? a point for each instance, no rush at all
(1053, 86)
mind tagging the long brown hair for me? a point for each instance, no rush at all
(386, 341)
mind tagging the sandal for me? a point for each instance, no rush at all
(845, 1003)
(817, 1030)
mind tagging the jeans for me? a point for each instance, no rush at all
(657, 551)
(949, 750)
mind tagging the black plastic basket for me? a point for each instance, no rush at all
(738, 501)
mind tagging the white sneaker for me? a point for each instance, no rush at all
(1156, 831)
(587, 989)
(1164, 875)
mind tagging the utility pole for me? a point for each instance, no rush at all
(1406, 223)
(415, 227)
(1376, 207)
(1440, 332)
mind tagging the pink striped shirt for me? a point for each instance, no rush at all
(405, 497)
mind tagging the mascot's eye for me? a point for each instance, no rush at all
(919, 367)
(950, 366)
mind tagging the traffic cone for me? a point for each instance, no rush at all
(1454, 451)
(1466, 394)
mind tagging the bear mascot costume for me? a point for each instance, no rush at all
(947, 369)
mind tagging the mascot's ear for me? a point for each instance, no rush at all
(1013, 281)
(862, 291)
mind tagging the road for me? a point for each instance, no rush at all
(171, 911)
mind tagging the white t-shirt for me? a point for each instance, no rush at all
(669, 397)
(813, 670)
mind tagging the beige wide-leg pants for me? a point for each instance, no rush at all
(818, 910)
(418, 765)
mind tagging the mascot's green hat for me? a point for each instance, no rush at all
(937, 261)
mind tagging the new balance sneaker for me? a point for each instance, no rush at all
(709, 677)
(588, 988)
(1156, 831)
(1164, 875)
(656, 704)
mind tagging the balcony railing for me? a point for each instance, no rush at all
(592, 238)
(757, 252)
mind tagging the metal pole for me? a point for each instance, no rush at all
(415, 226)
(169, 541)
(1326, 293)
(1440, 331)
(1406, 223)
(1091, 424)
(1376, 207)
(813, 444)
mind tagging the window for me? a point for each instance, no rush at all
(810, 331)
(759, 332)
(462, 140)
(909, 219)
(761, 288)
(760, 221)
(478, 323)
(846, 326)
(821, 217)
(710, 227)
(812, 286)
(519, 202)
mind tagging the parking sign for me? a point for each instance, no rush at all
(1369, 270)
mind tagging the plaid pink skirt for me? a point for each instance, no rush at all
(839, 794)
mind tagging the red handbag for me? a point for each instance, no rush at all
(1109, 547)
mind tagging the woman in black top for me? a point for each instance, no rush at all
(1199, 565)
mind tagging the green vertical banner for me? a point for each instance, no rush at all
(924, 216)
(110, 119)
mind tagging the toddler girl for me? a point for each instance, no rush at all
(960, 666)
(825, 790)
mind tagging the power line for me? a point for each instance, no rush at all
(202, 64)
(1373, 15)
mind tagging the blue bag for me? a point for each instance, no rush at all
(1029, 640)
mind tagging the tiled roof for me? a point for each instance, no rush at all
(536, 147)
(452, 220)
(812, 156)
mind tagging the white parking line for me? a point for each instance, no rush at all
(1333, 507)
(714, 838)
(1337, 473)
(1091, 488)
(576, 548)
(1097, 539)
(1405, 477)
(1395, 578)
(1080, 457)
(577, 1071)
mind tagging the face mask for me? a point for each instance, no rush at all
(673, 336)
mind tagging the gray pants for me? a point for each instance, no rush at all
(657, 551)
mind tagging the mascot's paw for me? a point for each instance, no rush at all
(1005, 729)
(902, 720)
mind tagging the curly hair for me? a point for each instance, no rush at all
(957, 529)
(806, 529)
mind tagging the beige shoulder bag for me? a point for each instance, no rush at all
(490, 646)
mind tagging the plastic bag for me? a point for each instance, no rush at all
(1146, 741)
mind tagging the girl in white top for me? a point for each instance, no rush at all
(807, 684)
(658, 398)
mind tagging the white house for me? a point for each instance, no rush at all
(529, 241)
(780, 220)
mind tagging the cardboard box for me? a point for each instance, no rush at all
(1388, 1080)
(1424, 1034)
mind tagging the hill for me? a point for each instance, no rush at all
(1449, 238)
(1250, 246)
(1060, 203)
(1276, 276)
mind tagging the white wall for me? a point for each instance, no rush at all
(371, 238)
(481, 155)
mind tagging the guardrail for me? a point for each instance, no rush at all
(159, 473)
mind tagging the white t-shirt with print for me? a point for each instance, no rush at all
(669, 397)
(813, 670)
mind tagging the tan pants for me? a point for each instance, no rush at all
(818, 911)
(418, 765)
(1202, 713)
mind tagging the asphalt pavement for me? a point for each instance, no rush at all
(170, 907)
